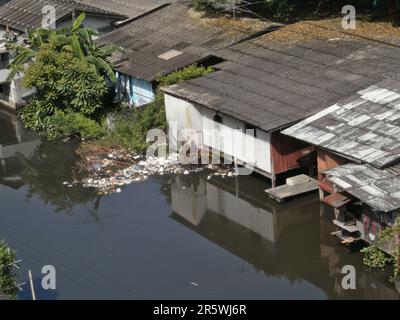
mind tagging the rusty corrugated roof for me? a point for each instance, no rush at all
(25, 14)
(364, 127)
(175, 28)
(130, 8)
(273, 85)
(378, 188)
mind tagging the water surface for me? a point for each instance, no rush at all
(182, 237)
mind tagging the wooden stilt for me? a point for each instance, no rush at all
(31, 283)
(273, 180)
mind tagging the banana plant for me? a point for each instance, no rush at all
(75, 39)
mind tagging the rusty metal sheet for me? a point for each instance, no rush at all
(336, 200)
(380, 189)
(363, 127)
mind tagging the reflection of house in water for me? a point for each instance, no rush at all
(14, 141)
(290, 240)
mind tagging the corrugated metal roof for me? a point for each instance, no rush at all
(336, 200)
(130, 8)
(378, 188)
(274, 85)
(25, 14)
(364, 127)
(175, 27)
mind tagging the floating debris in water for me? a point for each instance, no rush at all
(107, 170)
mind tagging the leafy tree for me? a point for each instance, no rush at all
(64, 83)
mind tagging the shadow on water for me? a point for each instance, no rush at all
(41, 167)
(156, 238)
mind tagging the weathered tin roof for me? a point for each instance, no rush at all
(26, 14)
(378, 188)
(273, 85)
(130, 8)
(175, 36)
(364, 127)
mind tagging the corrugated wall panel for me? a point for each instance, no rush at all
(289, 153)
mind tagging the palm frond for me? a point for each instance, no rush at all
(104, 66)
(78, 22)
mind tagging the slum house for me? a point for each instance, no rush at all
(17, 16)
(358, 141)
(271, 237)
(133, 9)
(169, 39)
(272, 82)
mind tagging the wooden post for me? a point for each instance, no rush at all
(32, 287)
(273, 179)
(321, 194)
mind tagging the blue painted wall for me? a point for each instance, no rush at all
(137, 92)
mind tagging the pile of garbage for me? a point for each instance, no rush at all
(107, 170)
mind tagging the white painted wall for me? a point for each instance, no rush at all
(224, 137)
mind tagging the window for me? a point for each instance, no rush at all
(5, 91)
(4, 60)
(217, 118)
(251, 127)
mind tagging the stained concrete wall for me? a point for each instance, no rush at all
(227, 137)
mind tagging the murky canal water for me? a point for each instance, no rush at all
(180, 237)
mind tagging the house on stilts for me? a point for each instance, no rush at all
(358, 142)
(273, 82)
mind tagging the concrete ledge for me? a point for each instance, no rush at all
(285, 192)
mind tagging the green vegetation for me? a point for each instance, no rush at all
(131, 129)
(209, 5)
(75, 40)
(70, 74)
(7, 278)
(374, 257)
(64, 85)
(294, 9)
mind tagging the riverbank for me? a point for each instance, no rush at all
(107, 169)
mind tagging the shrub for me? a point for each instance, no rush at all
(209, 5)
(62, 125)
(188, 73)
(7, 277)
(131, 129)
(374, 256)
(64, 82)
